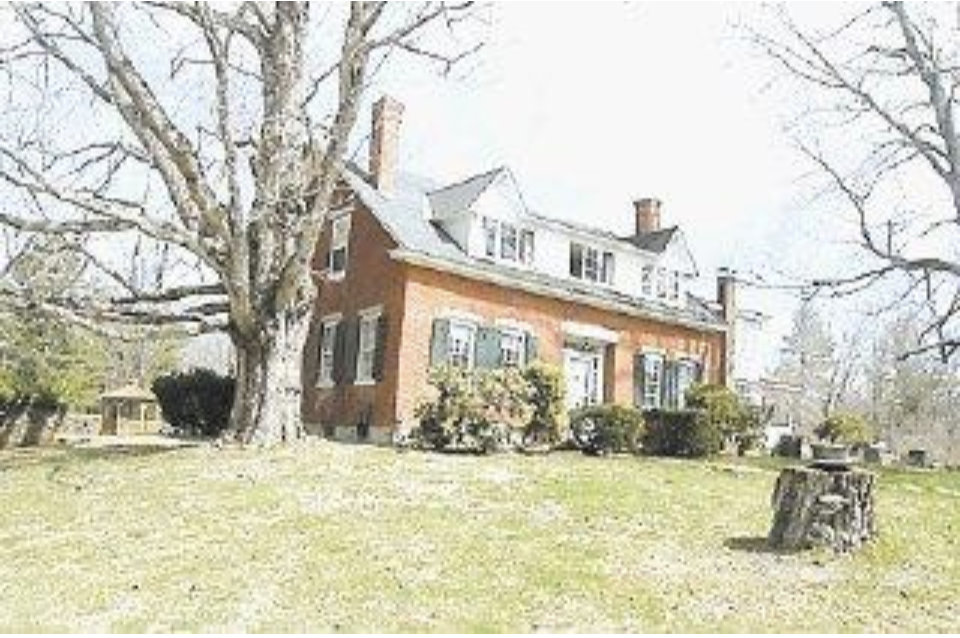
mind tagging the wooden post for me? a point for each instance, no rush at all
(817, 507)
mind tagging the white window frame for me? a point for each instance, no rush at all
(328, 327)
(662, 283)
(367, 345)
(596, 265)
(646, 281)
(515, 356)
(652, 400)
(339, 240)
(507, 242)
(469, 329)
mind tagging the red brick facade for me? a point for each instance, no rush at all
(412, 297)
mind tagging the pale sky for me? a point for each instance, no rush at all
(593, 105)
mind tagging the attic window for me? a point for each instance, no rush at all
(507, 242)
(591, 264)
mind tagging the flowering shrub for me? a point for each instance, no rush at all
(477, 410)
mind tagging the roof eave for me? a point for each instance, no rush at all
(481, 274)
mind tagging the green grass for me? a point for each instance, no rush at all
(340, 538)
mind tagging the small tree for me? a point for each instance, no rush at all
(548, 422)
(726, 413)
(847, 428)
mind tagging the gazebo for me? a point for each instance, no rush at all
(129, 410)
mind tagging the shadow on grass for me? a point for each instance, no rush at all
(754, 545)
(66, 455)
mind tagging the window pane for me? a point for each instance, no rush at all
(591, 267)
(461, 345)
(508, 242)
(576, 260)
(490, 236)
(526, 246)
(512, 348)
(646, 282)
(606, 271)
(652, 380)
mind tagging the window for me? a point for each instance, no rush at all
(652, 380)
(526, 246)
(328, 339)
(688, 373)
(462, 343)
(506, 241)
(646, 281)
(513, 345)
(661, 283)
(509, 242)
(367, 347)
(490, 236)
(339, 242)
(674, 285)
(591, 264)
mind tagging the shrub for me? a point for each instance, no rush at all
(602, 429)
(548, 423)
(197, 402)
(848, 428)
(681, 433)
(736, 422)
(474, 410)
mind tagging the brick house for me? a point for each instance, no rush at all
(413, 274)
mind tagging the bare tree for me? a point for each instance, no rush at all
(880, 123)
(215, 133)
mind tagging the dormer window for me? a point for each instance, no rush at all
(674, 285)
(504, 241)
(646, 281)
(591, 264)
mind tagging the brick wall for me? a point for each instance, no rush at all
(371, 279)
(430, 294)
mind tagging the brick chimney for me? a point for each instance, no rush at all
(385, 142)
(727, 300)
(648, 214)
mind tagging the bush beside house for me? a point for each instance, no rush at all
(482, 410)
(197, 402)
(605, 429)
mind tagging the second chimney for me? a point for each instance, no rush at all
(385, 142)
(648, 215)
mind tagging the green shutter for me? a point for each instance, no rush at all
(380, 348)
(638, 361)
(487, 353)
(339, 339)
(532, 345)
(351, 344)
(440, 342)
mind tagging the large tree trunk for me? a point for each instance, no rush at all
(268, 398)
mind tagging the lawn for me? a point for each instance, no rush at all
(333, 537)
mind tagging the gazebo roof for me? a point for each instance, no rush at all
(130, 392)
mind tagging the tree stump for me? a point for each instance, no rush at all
(823, 507)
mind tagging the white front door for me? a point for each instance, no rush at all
(583, 372)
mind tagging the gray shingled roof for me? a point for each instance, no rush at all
(406, 215)
(459, 197)
(655, 241)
